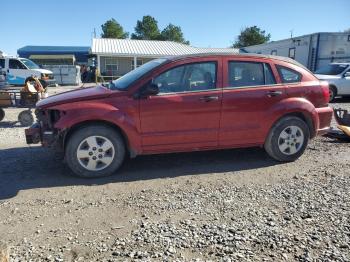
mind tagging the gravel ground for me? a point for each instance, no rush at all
(230, 205)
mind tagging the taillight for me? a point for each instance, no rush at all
(325, 90)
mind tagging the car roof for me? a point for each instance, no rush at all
(252, 55)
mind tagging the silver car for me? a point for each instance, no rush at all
(338, 77)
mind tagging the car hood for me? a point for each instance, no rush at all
(327, 77)
(74, 96)
(43, 71)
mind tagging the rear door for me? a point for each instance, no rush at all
(185, 114)
(250, 91)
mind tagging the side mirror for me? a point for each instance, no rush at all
(347, 74)
(150, 89)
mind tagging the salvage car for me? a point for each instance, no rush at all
(338, 77)
(186, 103)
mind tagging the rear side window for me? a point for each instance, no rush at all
(288, 75)
(15, 64)
(2, 63)
(245, 74)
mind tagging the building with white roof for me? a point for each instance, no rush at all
(116, 57)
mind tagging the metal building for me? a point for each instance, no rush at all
(313, 51)
(56, 55)
(116, 57)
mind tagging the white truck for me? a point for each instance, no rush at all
(18, 69)
(338, 77)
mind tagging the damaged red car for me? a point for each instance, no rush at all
(186, 103)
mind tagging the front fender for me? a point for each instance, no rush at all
(294, 105)
(73, 114)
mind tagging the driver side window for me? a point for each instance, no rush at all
(15, 64)
(188, 78)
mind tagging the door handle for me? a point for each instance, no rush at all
(274, 93)
(209, 98)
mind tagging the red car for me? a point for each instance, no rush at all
(178, 104)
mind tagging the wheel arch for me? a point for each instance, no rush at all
(307, 118)
(69, 132)
(333, 85)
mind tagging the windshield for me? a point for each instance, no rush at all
(332, 69)
(123, 82)
(29, 63)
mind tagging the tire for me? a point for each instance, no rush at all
(287, 139)
(332, 93)
(26, 118)
(95, 151)
(2, 114)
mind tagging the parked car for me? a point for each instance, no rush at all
(338, 77)
(189, 103)
(19, 69)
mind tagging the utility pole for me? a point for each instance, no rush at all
(291, 33)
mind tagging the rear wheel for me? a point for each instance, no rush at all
(287, 139)
(95, 151)
(2, 114)
(332, 93)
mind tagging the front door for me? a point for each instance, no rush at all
(17, 72)
(250, 90)
(185, 114)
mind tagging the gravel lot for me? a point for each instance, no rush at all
(231, 205)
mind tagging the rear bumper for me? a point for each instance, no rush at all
(325, 117)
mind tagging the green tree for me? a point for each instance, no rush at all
(173, 33)
(147, 29)
(112, 29)
(251, 36)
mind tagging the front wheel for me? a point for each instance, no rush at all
(287, 139)
(95, 151)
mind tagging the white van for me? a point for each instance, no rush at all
(18, 69)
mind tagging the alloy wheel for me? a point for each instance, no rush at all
(95, 153)
(291, 140)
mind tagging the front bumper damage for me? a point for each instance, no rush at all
(43, 130)
(34, 135)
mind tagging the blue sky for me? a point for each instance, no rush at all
(204, 23)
